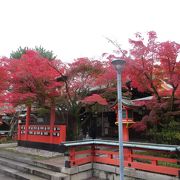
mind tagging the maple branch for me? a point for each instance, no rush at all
(173, 96)
(65, 81)
(151, 82)
(117, 45)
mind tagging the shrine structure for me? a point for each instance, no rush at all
(127, 118)
(42, 136)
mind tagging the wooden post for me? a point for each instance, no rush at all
(125, 127)
(28, 116)
(125, 132)
(129, 157)
(127, 151)
(92, 152)
(72, 155)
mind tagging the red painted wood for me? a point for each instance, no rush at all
(106, 160)
(83, 152)
(153, 158)
(93, 154)
(39, 134)
(156, 169)
(72, 155)
(84, 160)
(125, 132)
(110, 157)
(106, 152)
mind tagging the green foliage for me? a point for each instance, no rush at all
(17, 54)
(168, 135)
(45, 53)
(42, 111)
(42, 51)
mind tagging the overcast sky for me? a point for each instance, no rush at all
(77, 28)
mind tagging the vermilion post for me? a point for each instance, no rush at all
(127, 151)
(28, 115)
(125, 132)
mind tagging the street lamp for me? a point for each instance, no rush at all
(119, 65)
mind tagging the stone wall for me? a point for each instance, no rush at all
(108, 172)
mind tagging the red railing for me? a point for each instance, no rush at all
(144, 158)
(42, 133)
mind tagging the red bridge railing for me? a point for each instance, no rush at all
(155, 158)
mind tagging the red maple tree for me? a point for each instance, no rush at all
(153, 67)
(5, 107)
(80, 79)
(33, 79)
(170, 68)
(95, 98)
(3, 76)
(143, 66)
(154, 63)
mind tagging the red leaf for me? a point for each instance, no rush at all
(95, 98)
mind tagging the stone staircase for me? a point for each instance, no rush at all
(26, 168)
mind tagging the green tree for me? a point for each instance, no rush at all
(42, 51)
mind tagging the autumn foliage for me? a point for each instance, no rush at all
(32, 79)
(152, 67)
(95, 98)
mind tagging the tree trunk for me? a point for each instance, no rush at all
(28, 116)
(155, 92)
(52, 121)
(172, 97)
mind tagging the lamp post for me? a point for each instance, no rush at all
(119, 65)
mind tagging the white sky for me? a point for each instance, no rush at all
(76, 28)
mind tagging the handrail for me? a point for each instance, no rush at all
(162, 147)
(150, 157)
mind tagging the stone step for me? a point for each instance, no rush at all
(28, 160)
(31, 169)
(15, 174)
(16, 156)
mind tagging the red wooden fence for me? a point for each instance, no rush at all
(42, 133)
(157, 161)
